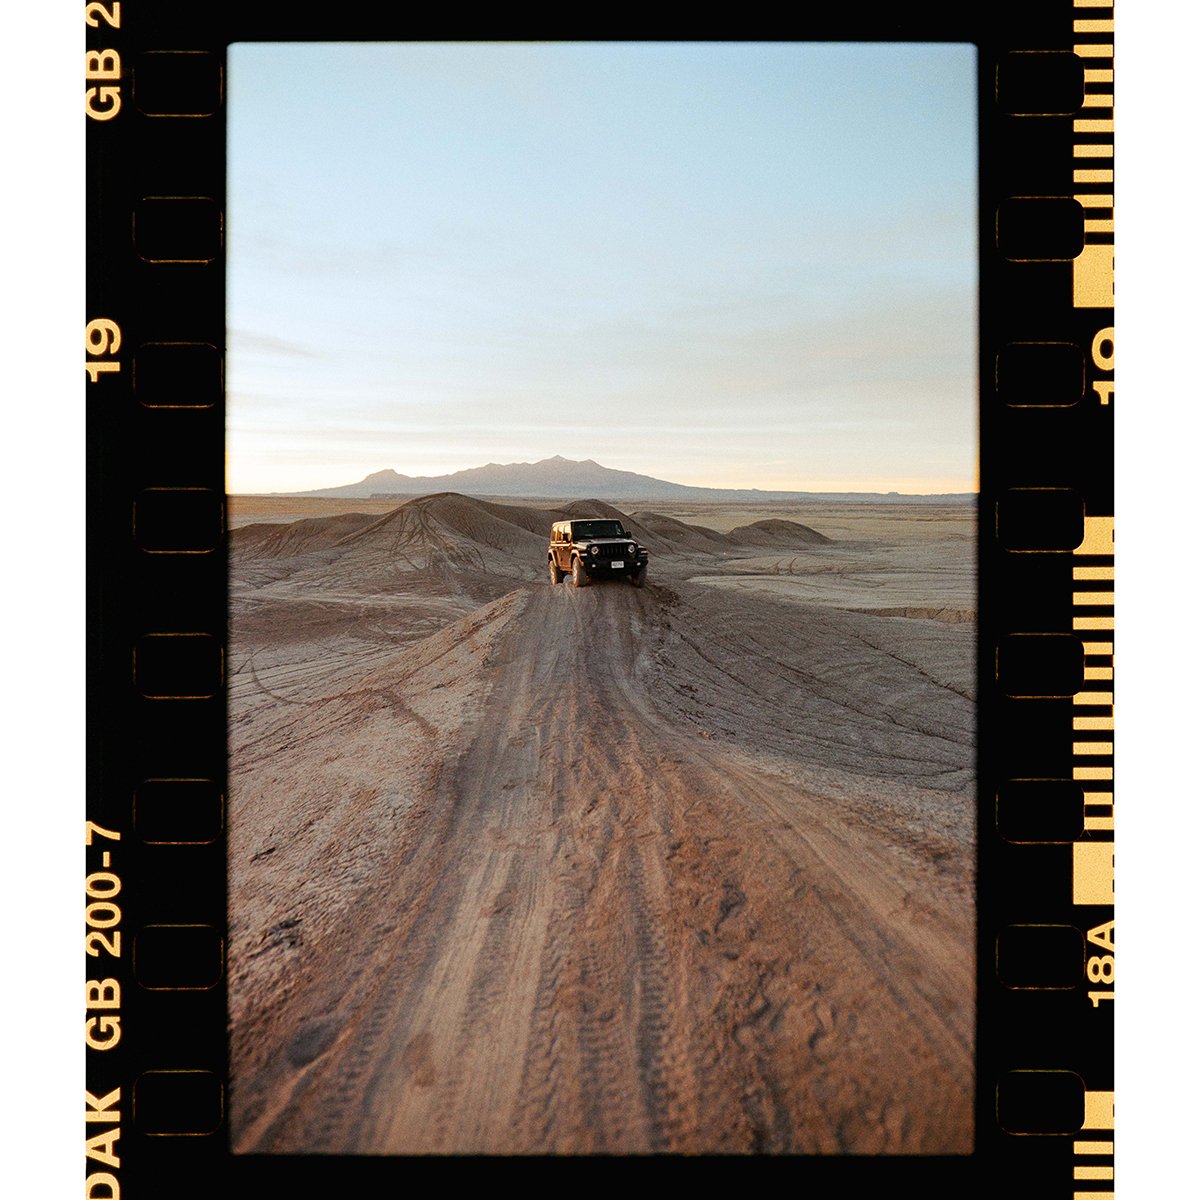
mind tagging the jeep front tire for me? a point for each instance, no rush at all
(638, 578)
(579, 576)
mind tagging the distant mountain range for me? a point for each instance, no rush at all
(560, 478)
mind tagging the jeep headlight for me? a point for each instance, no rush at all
(632, 550)
(593, 549)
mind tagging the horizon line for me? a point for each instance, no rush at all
(817, 487)
(768, 493)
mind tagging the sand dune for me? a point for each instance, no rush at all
(775, 532)
(674, 536)
(517, 868)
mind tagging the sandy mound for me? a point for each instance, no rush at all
(586, 509)
(679, 536)
(447, 527)
(777, 533)
(483, 520)
(298, 537)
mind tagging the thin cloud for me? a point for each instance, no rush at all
(239, 341)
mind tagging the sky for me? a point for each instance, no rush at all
(722, 264)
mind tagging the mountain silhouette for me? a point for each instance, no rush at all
(561, 478)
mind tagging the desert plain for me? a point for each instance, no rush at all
(520, 868)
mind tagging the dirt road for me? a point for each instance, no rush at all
(606, 929)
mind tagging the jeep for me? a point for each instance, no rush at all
(595, 550)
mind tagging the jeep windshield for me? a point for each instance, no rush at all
(582, 531)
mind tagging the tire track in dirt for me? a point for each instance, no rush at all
(613, 936)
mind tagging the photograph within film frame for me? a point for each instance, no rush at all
(156, 1024)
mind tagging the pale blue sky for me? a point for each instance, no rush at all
(724, 264)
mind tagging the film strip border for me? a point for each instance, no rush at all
(1048, 960)
(1092, 600)
(1093, 575)
(1093, 154)
(154, 374)
(154, 940)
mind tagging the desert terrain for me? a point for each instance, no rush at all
(517, 868)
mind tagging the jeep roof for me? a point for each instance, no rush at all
(569, 527)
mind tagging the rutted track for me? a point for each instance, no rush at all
(605, 932)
